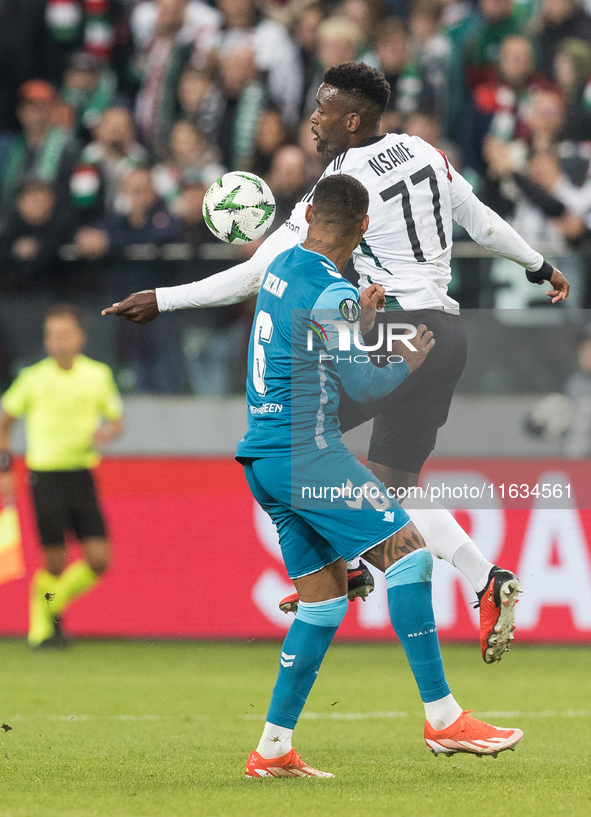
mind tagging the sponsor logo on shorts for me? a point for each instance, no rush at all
(267, 408)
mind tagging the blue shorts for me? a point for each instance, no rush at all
(315, 525)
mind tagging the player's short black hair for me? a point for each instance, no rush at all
(360, 80)
(65, 310)
(340, 200)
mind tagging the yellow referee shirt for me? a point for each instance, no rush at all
(62, 409)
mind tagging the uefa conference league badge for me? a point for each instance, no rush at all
(349, 310)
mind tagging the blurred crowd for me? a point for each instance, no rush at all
(116, 115)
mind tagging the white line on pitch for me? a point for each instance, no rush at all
(78, 718)
(361, 716)
(310, 716)
(338, 716)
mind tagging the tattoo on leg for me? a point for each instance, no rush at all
(398, 545)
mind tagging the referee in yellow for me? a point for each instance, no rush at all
(71, 407)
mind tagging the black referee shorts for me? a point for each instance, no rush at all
(66, 501)
(406, 420)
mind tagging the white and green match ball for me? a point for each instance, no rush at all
(239, 207)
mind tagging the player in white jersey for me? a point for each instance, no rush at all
(414, 195)
(411, 185)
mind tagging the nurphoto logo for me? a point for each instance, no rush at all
(349, 335)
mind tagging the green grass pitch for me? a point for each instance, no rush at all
(147, 730)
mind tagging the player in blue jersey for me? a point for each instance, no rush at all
(415, 195)
(327, 507)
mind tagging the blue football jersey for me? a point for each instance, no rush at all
(292, 390)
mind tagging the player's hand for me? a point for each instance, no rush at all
(561, 287)
(141, 307)
(7, 488)
(423, 342)
(108, 432)
(102, 436)
(372, 298)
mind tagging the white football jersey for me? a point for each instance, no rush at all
(407, 247)
(413, 195)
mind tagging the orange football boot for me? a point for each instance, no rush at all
(289, 765)
(470, 735)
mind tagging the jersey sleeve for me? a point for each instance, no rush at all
(111, 404)
(16, 398)
(327, 310)
(241, 281)
(460, 190)
(489, 230)
(335, 311)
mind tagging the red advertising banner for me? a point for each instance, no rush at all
(194, 556)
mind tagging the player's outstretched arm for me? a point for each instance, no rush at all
(561, 287)
(222, 289)
(140, 307)
(489, 230)
(364, 382)
(556, 280)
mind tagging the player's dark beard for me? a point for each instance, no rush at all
(326, 148)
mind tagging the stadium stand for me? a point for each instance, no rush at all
(183, 90)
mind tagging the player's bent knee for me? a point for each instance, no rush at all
(98, 556)
(55, 558)
(328, 613)
(99, 564)
(99, 567)
(418, 567)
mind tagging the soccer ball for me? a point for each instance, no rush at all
(239, 207)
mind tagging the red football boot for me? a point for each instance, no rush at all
(289, 765)
(497, 613)
(360, 584)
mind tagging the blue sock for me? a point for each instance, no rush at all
(302, 652)
(411, 613)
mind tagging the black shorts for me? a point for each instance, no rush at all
(406, 420)
(66, 501)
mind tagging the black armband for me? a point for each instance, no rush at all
(5, 461)
(543, 274)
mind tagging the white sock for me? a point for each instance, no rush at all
(353, 564)
(275, 741)
(442, 713)
(470, 561)
(444, 538)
